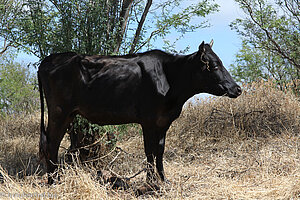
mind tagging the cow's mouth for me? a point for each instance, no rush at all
(233, 92)
(230, 95)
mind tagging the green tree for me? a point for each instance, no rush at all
(271, 41)
(42, 27)
(16, 87)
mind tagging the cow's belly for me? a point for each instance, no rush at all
(107, 105)
(110, 114)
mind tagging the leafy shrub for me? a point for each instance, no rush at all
(17, 88)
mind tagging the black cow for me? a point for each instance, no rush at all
(147, 88)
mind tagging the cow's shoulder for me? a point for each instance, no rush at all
(111, 70)
(155, 54)
(149, 58)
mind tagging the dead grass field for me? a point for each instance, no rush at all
(219, 148)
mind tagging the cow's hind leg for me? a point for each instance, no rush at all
(57, 126)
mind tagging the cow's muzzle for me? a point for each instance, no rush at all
(234, 92)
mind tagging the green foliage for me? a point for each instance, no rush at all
(271, 42)
(253, 64)
(17, 92)
(42, 27)
(167, 20)
(83, 125)
(84, 26)
(92, 131)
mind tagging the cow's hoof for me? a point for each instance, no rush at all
(118, 183)
(147, 189)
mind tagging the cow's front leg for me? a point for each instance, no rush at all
(154, 143)
(159, 151)
(149, 146)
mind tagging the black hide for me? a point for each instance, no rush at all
(147, 88)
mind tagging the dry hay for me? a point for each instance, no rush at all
(219, 148)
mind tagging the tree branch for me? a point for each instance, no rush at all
(292, 10)
(5, 48)
(140, 26)
(153, 33)
(145, 42)
(277, 47)
(124, 15)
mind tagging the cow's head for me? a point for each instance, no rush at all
(209, 74)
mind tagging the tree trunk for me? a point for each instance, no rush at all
(140, 26)
(124, 15)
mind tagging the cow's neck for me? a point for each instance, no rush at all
(179, 75)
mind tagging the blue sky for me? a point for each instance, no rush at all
(226, 41)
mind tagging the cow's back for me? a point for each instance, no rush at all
(55, 60)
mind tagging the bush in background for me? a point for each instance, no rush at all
(17, 87)
(263, 110)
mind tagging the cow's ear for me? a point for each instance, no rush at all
(201, 47)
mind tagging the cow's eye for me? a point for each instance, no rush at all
(215, 68)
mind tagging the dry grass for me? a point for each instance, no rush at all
(246, 148)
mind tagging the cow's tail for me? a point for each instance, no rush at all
(43, 137)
